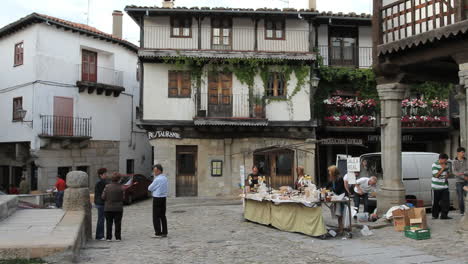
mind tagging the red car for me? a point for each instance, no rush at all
(135, 187)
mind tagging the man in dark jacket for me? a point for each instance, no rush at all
(113, 207)
(99, 203)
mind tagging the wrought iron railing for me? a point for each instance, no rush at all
(346, 56)
(230, 106)
(65, 126)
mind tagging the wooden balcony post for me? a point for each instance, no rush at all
(199, 21)
(376, 28)
(255, 34)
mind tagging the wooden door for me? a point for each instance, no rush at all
(186, 171)
(219, 94)
(279, 165)
(63, 116)
(89, 66)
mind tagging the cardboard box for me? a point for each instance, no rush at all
(417, 217)
(400, 219)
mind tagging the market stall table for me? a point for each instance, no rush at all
(291, 216)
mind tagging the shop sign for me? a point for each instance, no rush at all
(342, 141)
(163, 134)
(377, 138)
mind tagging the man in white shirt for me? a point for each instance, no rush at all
(363, 187)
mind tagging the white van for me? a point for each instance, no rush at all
(416, 172)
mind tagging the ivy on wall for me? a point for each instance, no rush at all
(245, 71)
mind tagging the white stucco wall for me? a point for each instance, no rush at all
(52, 59)
(158, 31)
(158, 106)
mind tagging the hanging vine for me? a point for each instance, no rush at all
(245, 71)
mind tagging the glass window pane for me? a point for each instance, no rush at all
(186, 32)
(216, 41)
(269, 33)
(279, 34)
(175, 31)
(284, 164)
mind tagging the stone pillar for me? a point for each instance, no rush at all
(461, 99)
(464, 220)
(227, 170)
(77, 198)
(392, 191)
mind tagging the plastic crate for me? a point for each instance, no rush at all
(420, 234)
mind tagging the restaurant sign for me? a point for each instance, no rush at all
(341, 141)
(163, 134)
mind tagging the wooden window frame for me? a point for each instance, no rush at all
(275, 88)
(216, 171)
(213, 19)
(19, 54)
(15, 116)
(274, 21)
(83, 52)
(343, 32)
(180, 80)
(181, 28)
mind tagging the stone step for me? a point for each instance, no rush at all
(8, 205)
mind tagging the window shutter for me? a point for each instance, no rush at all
(186, 84)
(173, 82)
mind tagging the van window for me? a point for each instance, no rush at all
(371, 166)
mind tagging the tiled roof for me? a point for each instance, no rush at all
(432, 36)
(40, 18)
(250, 10)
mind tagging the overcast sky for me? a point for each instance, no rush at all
(100, 11)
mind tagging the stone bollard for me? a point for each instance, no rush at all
(76, 197)
(464, 220)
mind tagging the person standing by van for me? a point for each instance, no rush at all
(460, 169)
(440, 188)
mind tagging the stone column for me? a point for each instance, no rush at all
(464, 220)
(77, 198)
(461, 99)
(227, 170)
(392, 191)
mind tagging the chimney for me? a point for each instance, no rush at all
(313, 4)
(117, 23)
(168, 4)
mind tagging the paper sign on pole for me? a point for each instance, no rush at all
(242, 176)
(353, 164)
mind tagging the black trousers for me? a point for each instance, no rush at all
(113, 218)
(159, 216)
(364, 198)
(440, 203)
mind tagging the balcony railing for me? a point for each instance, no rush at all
(405, 18)
(230, 106)
(235, 39)
(346, 56)
(100, 75)
(64, 126)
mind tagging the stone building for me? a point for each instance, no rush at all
(415, 41)
(68, 96)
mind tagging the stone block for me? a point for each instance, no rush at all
(77, 179)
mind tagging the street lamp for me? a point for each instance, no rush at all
(314, 81)
(22, 114)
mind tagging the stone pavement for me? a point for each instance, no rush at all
(213, 231)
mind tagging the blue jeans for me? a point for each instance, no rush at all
(100, 221)
(59, 199)
(461, 196)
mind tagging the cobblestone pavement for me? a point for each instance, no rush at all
(213, 231)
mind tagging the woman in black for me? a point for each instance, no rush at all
(253, 177)
(336, 184)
